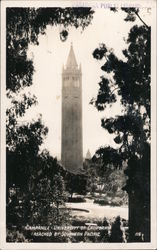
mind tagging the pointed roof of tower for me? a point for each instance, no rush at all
(71, 62)
(88, 155)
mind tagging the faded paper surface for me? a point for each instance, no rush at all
(52, 51)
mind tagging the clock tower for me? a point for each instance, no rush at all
(71, 148)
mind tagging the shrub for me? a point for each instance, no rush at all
(116, 202)
(76, 199)
(102, 202)
(15, 236)
(104, 234)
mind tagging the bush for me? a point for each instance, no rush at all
(125, 223)
(81, 221)
(76, 199)
(116, 202)
(102, 202)
(15, 236)
(104, 234)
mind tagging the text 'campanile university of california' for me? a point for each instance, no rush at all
(71, 148)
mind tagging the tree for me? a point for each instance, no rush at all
(76, 183)
(23, 27)
(42, 204)
(116, 232)
(104, 234)
(105, 161)
(47, 196)
(58, 194)
(25, 165)
(22, 154)
(130, 80)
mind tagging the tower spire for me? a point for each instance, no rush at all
(71, 62)
(88, 155)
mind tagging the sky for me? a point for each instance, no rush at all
(106, 27)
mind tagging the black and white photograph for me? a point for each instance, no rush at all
(78, 107)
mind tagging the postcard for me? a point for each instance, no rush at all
(78, 125)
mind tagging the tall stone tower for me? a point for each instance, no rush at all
(72, 155)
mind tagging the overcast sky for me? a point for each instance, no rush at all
(106, 27)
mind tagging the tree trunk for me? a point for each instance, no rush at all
(139, 219)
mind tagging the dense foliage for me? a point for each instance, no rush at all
(76, 183)
(35, 181)
(130, 80)
(104, 181)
